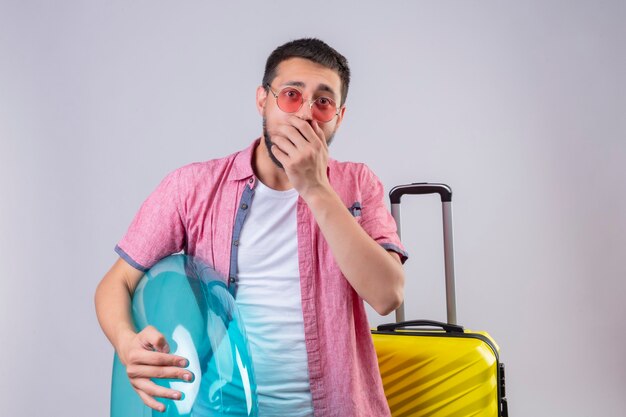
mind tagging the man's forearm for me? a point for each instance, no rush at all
(376, 275)
(113, 303)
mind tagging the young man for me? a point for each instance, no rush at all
(300, 238)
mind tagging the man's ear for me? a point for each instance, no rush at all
(261, 98)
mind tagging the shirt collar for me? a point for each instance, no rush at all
(242, 164)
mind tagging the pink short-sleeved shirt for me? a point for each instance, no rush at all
(201, 209)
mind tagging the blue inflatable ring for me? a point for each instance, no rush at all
(190, 305)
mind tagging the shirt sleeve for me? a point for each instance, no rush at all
(376, 219)
(157, 229)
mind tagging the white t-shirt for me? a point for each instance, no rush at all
(269, 300)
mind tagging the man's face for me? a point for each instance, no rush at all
(313, 81)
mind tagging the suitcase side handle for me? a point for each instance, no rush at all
(449, 328)
(444, 191)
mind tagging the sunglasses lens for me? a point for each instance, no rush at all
(289, 100)
(324, 109)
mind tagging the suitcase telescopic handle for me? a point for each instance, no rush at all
(450, 328)
(445, 193)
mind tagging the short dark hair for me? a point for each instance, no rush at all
(314, 50)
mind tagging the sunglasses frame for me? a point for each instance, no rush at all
(311, 102)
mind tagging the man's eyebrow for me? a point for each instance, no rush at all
(294, 84)
(300, 84)
(324, 87)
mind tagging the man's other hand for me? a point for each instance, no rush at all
(146, 355)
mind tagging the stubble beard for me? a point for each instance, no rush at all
(268, 144)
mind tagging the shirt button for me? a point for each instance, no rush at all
(236, 243)
(244, 206)
(251, 180)
(231, 279)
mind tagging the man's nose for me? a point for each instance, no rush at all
(305, 112)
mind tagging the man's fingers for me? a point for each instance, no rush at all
(151, 338)
(151, 389)
(290, 133)
(284, 144)
(282, 157)
(319, 132)
(147, 357)
(303, 126)
(306, 129)
(161, 372)
(298, 131)
(151, 402)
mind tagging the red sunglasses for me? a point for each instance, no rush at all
(290, 100)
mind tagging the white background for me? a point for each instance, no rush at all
(519, 106)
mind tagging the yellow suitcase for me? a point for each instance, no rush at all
(434, 369)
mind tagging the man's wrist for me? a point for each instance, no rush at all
(318, 195)
(124, 336)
